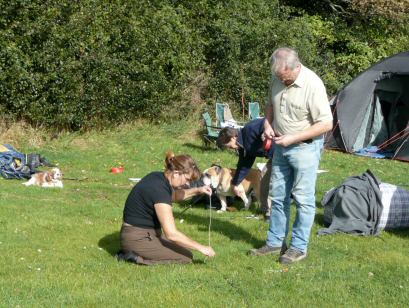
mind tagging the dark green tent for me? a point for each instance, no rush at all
(372, 111)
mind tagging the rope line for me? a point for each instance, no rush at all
(335, 127)
(399, 148)
(210, 217)
(394, 138)
(336, 105)
(333, 115)
(332, 131)
(391, 139)
(210, 224)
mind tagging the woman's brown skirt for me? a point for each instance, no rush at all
(151, 247)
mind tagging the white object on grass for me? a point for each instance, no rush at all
(252, 217)
(135, 180)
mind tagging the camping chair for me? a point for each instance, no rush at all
(212, 132)
(224, 116)
(254, 110)
(223, 113)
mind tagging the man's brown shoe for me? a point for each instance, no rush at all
(292, 255)
(268, 250)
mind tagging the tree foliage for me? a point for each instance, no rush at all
(390, 9)
(81, 64)
(396, 10)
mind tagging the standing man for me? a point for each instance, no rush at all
(248, 141)
(299, 106)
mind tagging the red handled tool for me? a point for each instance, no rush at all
(267, 144)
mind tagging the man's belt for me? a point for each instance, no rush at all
(268, 142)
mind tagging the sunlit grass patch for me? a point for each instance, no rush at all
(58, 245)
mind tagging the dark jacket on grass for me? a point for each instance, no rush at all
(355, 207)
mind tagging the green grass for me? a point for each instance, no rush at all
(57, 245)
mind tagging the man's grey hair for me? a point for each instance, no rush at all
(284, 57)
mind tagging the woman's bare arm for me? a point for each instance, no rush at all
(165, 216)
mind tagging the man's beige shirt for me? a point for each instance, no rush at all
(300, 105)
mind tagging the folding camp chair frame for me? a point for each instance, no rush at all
(254, 110)
(223, 109)
(212, 132)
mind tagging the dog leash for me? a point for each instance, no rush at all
(184, 210)
(210, 217)
(76, 179)
(210, 225)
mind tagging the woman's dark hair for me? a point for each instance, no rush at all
(225, 136)
(182, 163)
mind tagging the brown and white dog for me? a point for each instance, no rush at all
(51, 178)
(220, 179)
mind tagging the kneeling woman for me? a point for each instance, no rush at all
(148, 211)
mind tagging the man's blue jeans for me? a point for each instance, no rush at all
(293, 176)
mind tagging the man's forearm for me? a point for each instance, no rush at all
(316, 130)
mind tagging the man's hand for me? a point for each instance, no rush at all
(238, 190)
(269, 116)
(285, 140)
(268, 131)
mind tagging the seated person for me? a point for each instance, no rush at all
(148, 211)
(249, 143)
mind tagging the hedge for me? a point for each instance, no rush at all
(83, 64)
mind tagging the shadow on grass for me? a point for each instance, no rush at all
(211, 147)
(222, 226)
(402, 232)
(319, 220)
(110, 242)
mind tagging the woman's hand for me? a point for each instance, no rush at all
(205, 190)
(207, 251)
(165, 216)
(183, 194)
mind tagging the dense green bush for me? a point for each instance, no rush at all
(82, 64)
(78, 64)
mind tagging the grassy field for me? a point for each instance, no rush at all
(57, 246)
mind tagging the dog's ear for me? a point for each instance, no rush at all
(218, 168)
(49, 176)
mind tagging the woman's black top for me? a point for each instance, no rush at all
(139, 208)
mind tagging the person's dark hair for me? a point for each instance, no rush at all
(225, 136)
(182, 163)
